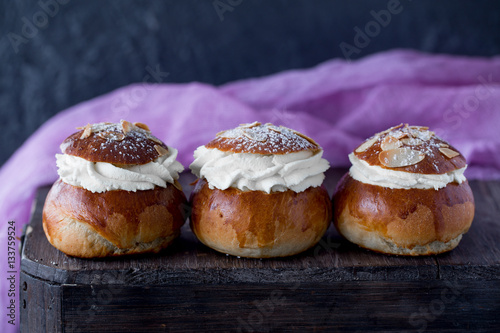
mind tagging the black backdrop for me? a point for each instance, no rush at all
(56, 53)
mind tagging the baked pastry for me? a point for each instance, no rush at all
(405, 194)
(117, 193)
(259, 192)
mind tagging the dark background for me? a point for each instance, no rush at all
(83, 49)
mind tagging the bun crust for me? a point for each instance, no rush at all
(85, 224)
(124, 143)
(401, 221)
(259, 225)
(256, 138)
(418, 139)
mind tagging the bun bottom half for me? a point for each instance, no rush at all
(255, 224)
(403, 222)
(89, 225)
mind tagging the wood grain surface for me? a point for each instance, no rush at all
(334, 286)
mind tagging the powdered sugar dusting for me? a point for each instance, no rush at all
(138, 137)
(416, 137)
(405, 146)
(263, 139)
(122, 142)
(400, 157)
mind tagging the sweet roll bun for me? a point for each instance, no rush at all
(259, 192)
(405, 194)
(117, 193)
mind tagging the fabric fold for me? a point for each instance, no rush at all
(339, 103)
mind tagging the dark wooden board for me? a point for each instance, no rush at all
(361, 306)
(335, 285)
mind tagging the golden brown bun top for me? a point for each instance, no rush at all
(121, 143)
(256, 138)
(412, 149)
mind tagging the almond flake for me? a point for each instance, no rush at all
(248, 135)
(400, 157)
(230, 134)
(391, 129)
(444, 145)
(252, 136)
(142, 126)
(220, 133)
(389, 143)
(86, 132)
(155, 139)
(367, 144)
(126, 126)
(448, 152)
(161, 151)
(420, 128)
(412, 141)
(305, 137)
(119, 136)
(399, 134)
(424, 135)
(255, 123)
(277, 130)
(113, 136)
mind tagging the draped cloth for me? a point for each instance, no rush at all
(338, 103)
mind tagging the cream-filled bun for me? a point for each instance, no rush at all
(405, 194)
(259, 192)
(117, 193)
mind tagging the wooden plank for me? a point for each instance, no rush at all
(361, 306)
(40, 305)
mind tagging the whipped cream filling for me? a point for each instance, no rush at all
(100, 176)
(375, 175)
(257, 172)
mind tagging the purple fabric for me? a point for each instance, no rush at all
(338, 103)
